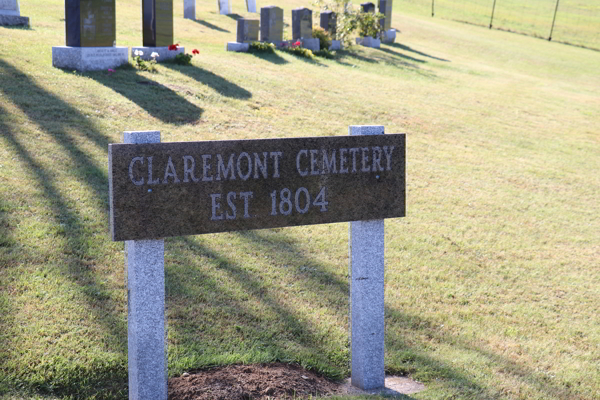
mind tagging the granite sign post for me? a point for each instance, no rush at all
(10, 14)
(159, 190)
(271, 25)
(388, 35)
(189, 9)
(90, 32)
(302, 28)
(157, 31)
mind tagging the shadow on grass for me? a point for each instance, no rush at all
(407, 48)
(150, 95)
(270, 57)
(208, 78)
(57, 120)
(234, 16)
(294, 339)
(211, 26)
(400, 55)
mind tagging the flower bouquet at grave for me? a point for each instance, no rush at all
(144, 65)
(183, 58)
(296, 49)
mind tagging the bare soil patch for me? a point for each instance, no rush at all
(267, 381)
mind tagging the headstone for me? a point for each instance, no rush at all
(224, 7)
(366, 274)
(368, 7)
(251, 6)
(247, 30)
(329, 22)
(157, 23)
(271, 24)
(301, 23)
(157, 30)
(10, 13)
(189, 9)
(90, 32)
(385, 8)
(90, 23)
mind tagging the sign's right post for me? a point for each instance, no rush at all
(366, 271)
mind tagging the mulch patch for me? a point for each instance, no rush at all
(256, 382)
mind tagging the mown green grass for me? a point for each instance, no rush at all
(492, 279)
(576, 23)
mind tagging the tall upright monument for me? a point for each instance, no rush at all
(91, 38)
(157, 30)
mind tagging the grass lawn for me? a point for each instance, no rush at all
(492, 278)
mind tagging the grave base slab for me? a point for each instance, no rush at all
(236, 46)
(312, 44)
(335, 45)
(388, 36)
(369, 42)
(89, 58)
(13, 20)
(163, 52)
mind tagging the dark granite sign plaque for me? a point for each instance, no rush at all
(157, 23)
(90, 23)
(171, 189)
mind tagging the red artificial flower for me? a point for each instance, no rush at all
(173, 46)
(298, 43)
(195, 51)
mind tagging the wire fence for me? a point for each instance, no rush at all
(575, 22)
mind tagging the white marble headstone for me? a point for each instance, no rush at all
(224, 7)
(10, 7)
(251, 6)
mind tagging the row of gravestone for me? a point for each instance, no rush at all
(271, 27)
(91, 35)
(91, 31)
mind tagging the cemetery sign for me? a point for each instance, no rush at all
(171, 189)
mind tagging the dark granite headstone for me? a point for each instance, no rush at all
(301, 23)
(187, 188)
(368, 7)
(329, 22)
(385, 8)
(90, 23)
(271, 24)
(157, 23)
(247, 30)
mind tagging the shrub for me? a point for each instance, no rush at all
(323, 36)
(261, 47)
(297, 50)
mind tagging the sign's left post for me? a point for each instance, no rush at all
(146, 328)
